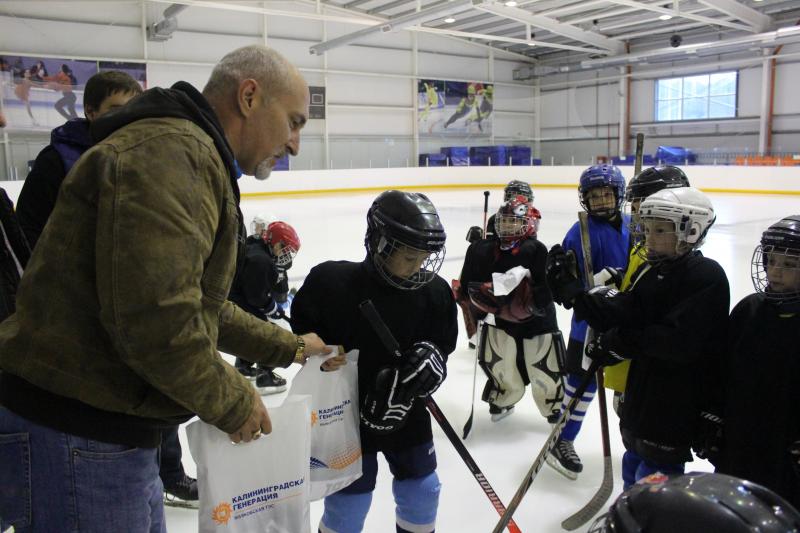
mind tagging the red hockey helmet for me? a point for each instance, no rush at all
(516, 220)
(285, 235)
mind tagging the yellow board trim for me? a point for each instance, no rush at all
(451, 186)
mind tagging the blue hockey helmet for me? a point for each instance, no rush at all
(602, 176)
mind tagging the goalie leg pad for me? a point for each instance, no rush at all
(544, 372)
(417, 501)
(499, 362)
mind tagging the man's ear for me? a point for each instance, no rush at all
(248, 96)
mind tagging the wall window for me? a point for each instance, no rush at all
(697, 97)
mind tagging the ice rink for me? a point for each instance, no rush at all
(332, 227)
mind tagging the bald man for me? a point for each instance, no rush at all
(121, 312)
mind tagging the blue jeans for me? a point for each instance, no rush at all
(54, 481)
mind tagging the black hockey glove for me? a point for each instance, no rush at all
(423, 369)
(605, 348)
(386, 406)
(794, 452)
(474, 234)
(561, 271)
(709, 437)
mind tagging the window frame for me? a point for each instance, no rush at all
(707, 97)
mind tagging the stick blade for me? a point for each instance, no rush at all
(468, 425)
(598, 501)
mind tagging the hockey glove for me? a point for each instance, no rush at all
(610, 277)
(474, 234)
(561, 271)
(709, 437)
(385, 407)
(423, 369)
(605, 348)
(794, 453)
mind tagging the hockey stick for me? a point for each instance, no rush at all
(548, 445)
(481, 339)
(369, 312)
(637, 162)
(482, 332)
(585, 513)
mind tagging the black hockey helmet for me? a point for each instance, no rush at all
(780, 243)
(698, 502)
(516, 188)
(405, 219)
(654, 179)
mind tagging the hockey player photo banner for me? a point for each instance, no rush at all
(454, 108)
(257, 486)
(335, 438)
(40, 93)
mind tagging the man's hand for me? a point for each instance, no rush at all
(257, 424)
(561, 272)
(314, 345)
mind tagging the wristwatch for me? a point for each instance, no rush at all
(299, 355)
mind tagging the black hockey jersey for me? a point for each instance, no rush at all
(673, 325)
(762, 396)
(485, 257)
(259, 283)
(327, 304)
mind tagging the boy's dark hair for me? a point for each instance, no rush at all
(104, 84)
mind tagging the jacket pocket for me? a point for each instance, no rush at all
(15, 481)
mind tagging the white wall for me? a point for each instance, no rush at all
(352, 75)
(575, 120)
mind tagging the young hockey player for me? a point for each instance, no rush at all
(521, 344)
(601, 191)
(261, 286)
(405, 249)
(763, 363)
(647, 182)
(672, 325)
(512, 190)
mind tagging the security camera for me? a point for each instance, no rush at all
(675, 41)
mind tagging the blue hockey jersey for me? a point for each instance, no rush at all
(610, 248)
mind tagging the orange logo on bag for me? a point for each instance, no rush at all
(313, 418)
(222, 513)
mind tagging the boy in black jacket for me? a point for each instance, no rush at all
(763, 367)
(672, 325)
(405, 249)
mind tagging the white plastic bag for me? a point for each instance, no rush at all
(335, 438)
(257, 486)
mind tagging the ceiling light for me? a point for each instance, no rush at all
(665, 17)
(511, 3)
(531, 43)
(449, 20)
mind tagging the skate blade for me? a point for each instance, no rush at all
(182, 504)
(555, 465)
(266, 391)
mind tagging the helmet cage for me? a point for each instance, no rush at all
(427, 271)
(602, 176)
(517, 188)
(758, 273)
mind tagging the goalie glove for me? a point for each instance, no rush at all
(423, 369)
(386, 407)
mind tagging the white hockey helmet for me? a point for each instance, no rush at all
(259, 225)
(687, 208)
